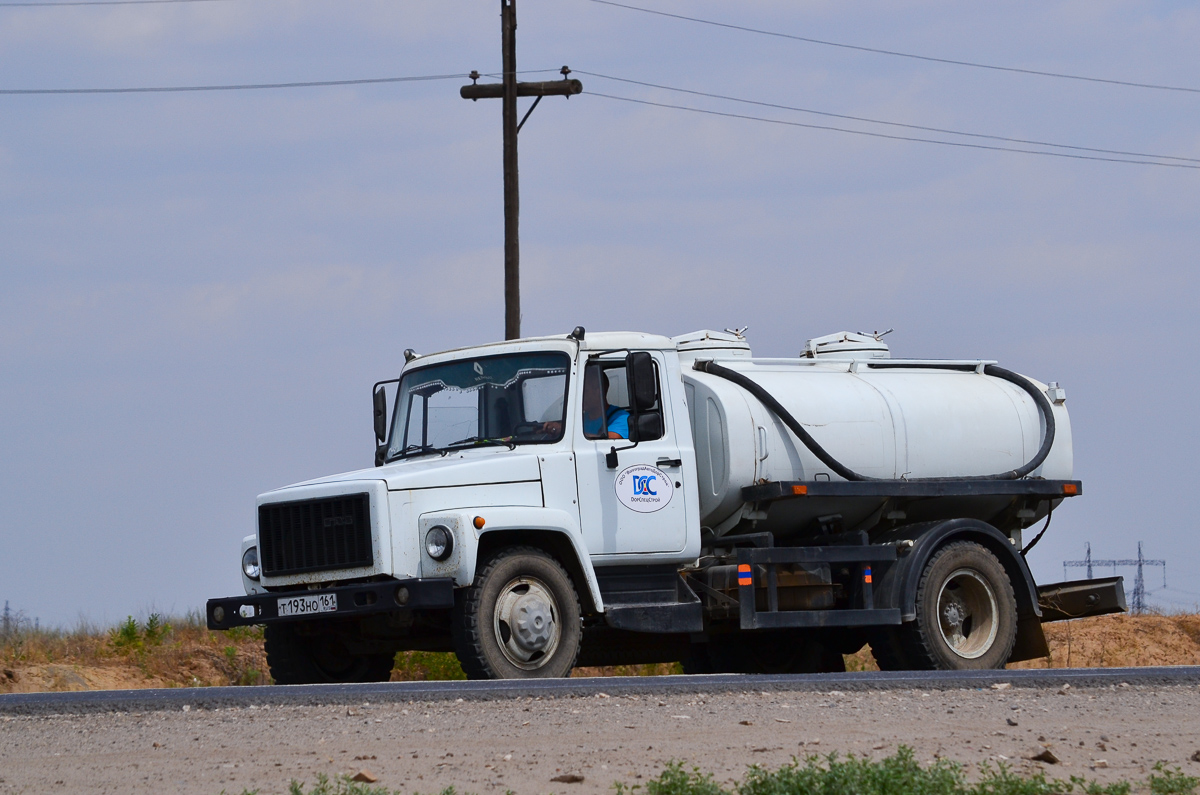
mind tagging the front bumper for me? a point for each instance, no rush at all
(352, 601)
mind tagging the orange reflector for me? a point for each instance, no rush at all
(800, 491)
(479, 522)
(743, 567)
(1070, 488)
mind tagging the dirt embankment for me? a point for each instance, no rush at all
(185, 654)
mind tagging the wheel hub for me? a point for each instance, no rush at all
(534, 623)
(526, 623)
(954, 614)
(968, 613)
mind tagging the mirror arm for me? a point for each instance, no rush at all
(610, 458)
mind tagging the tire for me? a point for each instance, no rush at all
(966, 612)
(519, 619)
(296, 659)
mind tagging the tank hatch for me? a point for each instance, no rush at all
(725, 344)
(846, 345)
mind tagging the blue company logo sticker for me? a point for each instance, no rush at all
(644, 488)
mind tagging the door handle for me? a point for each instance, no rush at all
(669, 462)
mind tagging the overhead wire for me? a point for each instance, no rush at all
(252, 86)
(899, 54)
(1128, 156)
(870, 134)
(102, 3)
(827, 114)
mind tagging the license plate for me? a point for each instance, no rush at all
(306, 605)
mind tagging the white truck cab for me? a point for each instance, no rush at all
(612, 498)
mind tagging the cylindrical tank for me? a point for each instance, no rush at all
(892, 422)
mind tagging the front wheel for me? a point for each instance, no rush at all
(966, 612)
(519, 619)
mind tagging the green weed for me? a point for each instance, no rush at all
(1164, 781)
(899, 774)
(131, 637)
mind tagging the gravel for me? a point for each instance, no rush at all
(582, 744)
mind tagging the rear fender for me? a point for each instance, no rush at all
(898, 585)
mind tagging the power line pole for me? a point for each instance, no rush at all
(1137, 601)
(508, 90)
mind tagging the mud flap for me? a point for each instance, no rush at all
(1030, 643)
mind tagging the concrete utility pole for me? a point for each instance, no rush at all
(508, 90)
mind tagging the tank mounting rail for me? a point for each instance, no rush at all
(754, 563)
(798, 489)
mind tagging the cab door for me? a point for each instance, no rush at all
(638, 505)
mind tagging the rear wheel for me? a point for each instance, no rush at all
(520, 619)
(966, 612)
(301, 659)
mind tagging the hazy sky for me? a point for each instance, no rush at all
(198, 289)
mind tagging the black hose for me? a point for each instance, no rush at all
(768, 400)
(1038, 537)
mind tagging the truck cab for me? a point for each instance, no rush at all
(537, 504)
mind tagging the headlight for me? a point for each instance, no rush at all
(250, 565)
(439, 542)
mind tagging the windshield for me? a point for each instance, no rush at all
(513, 399)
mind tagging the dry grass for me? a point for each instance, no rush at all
(154, 653)
(184, 653)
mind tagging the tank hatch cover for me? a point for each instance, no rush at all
(846, 345)
(729, 343)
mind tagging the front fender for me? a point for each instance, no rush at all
(523, 525)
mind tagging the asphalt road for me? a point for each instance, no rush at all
(581, 736)
(395, 692)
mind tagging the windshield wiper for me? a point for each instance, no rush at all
(484, 440)
(416, 448)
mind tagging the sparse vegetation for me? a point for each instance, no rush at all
(151, 653)
(899, 774)
(182, 652)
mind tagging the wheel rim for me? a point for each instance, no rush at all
(526, 622)
(968, 614)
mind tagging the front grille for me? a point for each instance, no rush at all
(315, 535)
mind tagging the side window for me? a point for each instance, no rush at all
(606, 402)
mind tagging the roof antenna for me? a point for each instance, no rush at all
(876, 335)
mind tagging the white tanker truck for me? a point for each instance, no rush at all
(620, 498)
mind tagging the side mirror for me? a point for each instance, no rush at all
(380, 400)
(643, 386)
(647, 427)
(645, 421)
